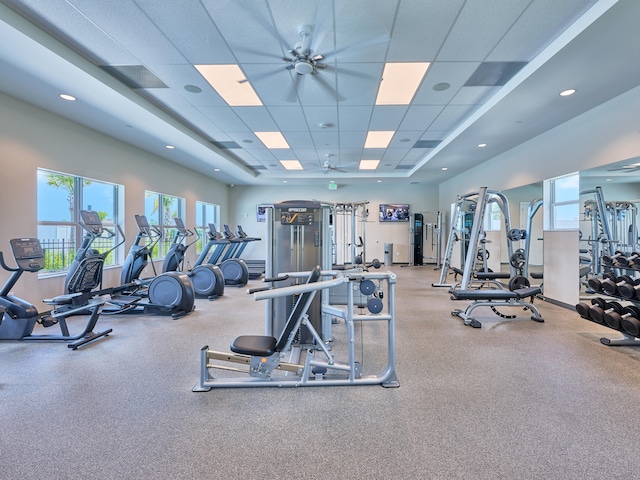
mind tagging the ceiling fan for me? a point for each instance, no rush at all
(625, 168)
(328, 166)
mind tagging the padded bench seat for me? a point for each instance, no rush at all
(491, 275)
(484, 294)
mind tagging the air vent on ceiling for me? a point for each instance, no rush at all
(404, 167)
(134, 76)
(427, 143)
(226, 145)
(494, 74)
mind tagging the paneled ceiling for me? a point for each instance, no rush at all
(496, 70)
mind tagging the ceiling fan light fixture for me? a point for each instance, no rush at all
(303, 67)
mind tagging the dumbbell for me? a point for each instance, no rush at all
(600, 308)
(630, 291)
(596, 283)
(628, 261)
(614, 319)
(610, 287)
(612, 259)
(631, 325)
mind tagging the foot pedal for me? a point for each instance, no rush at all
(47, 321)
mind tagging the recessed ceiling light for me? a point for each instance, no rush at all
(216, 169)
(192, 88)
(607, 180)
(439, 87)
(272, 139)
(169, 147)
(379, 181)
(368, 164)
(378, 139)
(482, 145)
(405, 140)
(400, 82)
(566, 93)
(284, 181)
(231, 84)
(291, 164)
(68, 97)
(444, 168)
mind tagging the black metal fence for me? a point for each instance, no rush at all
(59, 253)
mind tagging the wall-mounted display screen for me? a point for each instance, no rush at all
(396, 212)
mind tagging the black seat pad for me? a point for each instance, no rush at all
(491, 275)
(485, 294)
(256, 345)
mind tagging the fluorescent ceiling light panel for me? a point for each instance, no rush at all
(369, 164)
(231, 84)
(378, 138)
(400, 82)
(291, 164)
(272, 139)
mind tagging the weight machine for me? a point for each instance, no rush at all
(423, 227)
(472, 243)
(349, 232)
(613, 227)
(282, 361)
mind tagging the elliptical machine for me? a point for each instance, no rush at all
(207, 279)
(234, 270)
(170, 293)
(20, 317)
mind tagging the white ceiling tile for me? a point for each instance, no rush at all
(354, 117)
(352, 139)
(479, 27)
(420, 29)
(299, 139)
(387, 117)
(542, 19)
(290, 118)
(473, 95)
(420, 117)
(453, 73)
(225, 118)
(317, 116)
(449, 117)
(257, 119)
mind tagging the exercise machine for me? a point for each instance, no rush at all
(256, 267)
(474, 244)
(282, 361)
(234, 270)
(19, 317)
(207, 279)
(169, 293)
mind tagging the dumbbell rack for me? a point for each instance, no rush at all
(612, 314)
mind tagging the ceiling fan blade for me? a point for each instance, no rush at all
(252, 51)
(266, 22)
(260, 76)
(328, 87)
(292, 93)
(361, 46)
(353, 73)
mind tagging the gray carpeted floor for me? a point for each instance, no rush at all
(513, 400)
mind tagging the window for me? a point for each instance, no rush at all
(564, 195)
(161, 210)
(60, 198)
(206, 213)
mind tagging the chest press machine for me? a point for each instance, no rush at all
(282, 362)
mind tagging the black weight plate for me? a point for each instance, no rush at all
(613, 319)
(518, 282)
(631, 325)
(583, 309)
(595, 284)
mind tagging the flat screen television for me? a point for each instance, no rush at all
(394, 212)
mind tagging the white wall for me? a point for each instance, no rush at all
(32, 138)
(243, 201)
